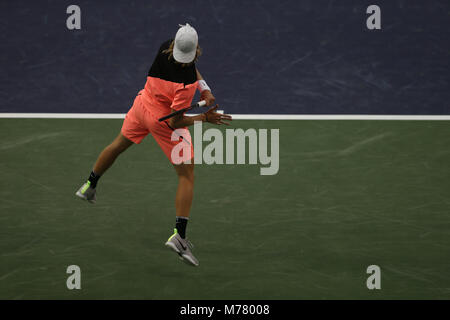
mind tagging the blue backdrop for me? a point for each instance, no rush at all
(294, 57)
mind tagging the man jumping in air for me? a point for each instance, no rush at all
(171, 84)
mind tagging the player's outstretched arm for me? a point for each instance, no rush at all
(210, 116)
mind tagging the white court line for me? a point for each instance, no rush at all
(235, 116)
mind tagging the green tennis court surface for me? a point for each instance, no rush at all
(348, 194)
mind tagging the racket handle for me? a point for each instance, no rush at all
(198, 104)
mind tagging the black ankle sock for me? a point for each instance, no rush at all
(93, 178)
(181, 223)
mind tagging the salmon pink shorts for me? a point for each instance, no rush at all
(142, 119)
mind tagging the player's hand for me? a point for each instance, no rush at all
(208, 97)
(214, 117)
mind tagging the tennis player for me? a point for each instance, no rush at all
(171, 84)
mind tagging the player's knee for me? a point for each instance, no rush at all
(121, 148)
(186, 172)
(189, 175)
(118, 147)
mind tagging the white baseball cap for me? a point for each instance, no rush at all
(185, 46)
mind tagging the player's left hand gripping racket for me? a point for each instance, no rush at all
(195, 105)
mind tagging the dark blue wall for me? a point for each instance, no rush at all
(303, 56)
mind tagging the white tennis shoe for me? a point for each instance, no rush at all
(183, 248)
(86, 192)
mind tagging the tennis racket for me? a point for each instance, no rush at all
(192, 106)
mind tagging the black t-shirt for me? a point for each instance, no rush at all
(168, 69)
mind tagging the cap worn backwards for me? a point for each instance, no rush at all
(185, 47)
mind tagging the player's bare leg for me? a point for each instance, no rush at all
(110, 153)
(104, 161)
(183, 201)
(185, 191)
